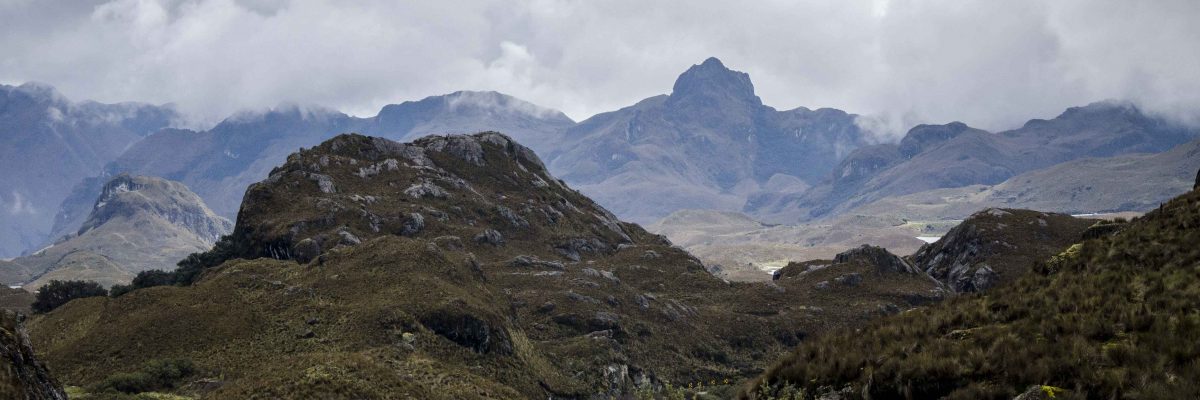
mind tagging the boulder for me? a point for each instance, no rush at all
(490, 236)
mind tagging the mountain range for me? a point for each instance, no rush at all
(709, 144)
(955, 155)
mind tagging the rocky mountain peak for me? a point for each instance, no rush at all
(712, 84)
(923, 137)
(126, 195)
(483, 187)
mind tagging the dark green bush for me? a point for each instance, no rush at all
(156, 375)
(56, 293)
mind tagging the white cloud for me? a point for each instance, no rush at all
(18, 205)
(989, 64)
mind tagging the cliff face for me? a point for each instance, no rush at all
(22, 376)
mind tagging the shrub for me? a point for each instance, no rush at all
(56, 293)
(153, 376)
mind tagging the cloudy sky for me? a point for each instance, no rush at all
(992, 64)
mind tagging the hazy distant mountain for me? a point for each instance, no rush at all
(220, 163)
(709, 144)
(136, 224)
(48, 144)
(955, 155)
(1137, 182)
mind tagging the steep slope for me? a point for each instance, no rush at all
(136, 224)
(709, 144)
(24, 376)
(47, 144)
(1112, 317)
(220, 163)
(954, 155)
(450, 267)
(996, 246)
(1137, 182)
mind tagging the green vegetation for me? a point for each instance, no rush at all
(57, 293)
(1117, 316)
(156, 375)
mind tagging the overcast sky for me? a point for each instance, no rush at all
(991, 64)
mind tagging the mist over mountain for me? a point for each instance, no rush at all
(49, 143)
(955, 155)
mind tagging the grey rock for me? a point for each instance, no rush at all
(851, 279)
(530, 261)
(490, 236)
(822, 285)
(324, 182)
(651, 255)
(348, 238)
(511, 217)
(412, 225)
(306, 250)
(426, 189)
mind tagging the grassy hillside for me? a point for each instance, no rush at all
(1112, 317)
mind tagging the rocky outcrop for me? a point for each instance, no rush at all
(22, 376)
(996, 246)
(883, 260)
(1197, 185)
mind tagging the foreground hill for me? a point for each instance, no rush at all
(955, 155)
(47, 144)
(1112, 317)
(450, 267)
(137, 223)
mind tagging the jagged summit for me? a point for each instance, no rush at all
(712, 84)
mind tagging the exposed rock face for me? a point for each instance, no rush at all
(1197, 185)
(137, 223)
(22, 376)
(996, 246)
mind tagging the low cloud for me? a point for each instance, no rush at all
(990, 64)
